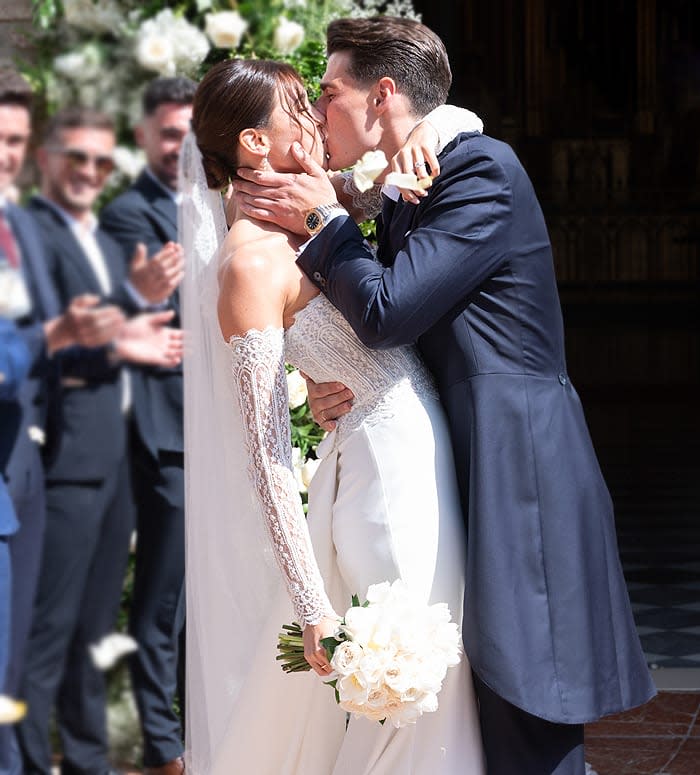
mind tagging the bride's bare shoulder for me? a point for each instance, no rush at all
(249, 256)
(254, 282)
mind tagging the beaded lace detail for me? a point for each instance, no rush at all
(368, 202)
(261, 387)
(323, 345)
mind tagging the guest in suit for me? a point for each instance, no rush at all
(89, 509)
(147, 213)
(14, 367)
(48, 335)
(468, 275)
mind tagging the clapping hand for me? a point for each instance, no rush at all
(147, 340)
(92, 326)
(156, 278)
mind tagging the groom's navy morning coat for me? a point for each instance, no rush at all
(468, 275)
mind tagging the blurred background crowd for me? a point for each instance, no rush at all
(92, 437)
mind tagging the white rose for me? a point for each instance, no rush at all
(350, 690)
(346, 657)
(155, 52)
(296, 388)
(360, 623)
(368, 169)
(288, 35)
(225, 29)
(308, 470)
(190, 44)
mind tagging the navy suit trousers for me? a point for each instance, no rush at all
(88, 530)
(158, 605)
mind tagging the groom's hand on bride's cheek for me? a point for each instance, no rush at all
(284, 197)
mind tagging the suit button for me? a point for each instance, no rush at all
(562, 379)
(318, 277)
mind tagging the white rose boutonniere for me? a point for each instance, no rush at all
(368, 169)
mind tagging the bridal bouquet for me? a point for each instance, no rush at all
(390, 654)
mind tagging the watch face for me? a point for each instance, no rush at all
(313, 221)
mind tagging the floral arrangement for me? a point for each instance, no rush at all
(101, 53)
(390, 654)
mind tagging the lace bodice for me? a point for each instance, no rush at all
(323, 345)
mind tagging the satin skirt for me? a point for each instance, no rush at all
(383, 505)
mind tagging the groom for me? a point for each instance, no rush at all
(468, 275)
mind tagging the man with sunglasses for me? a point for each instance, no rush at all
(147, 212)
(29, 299)
(89, 507)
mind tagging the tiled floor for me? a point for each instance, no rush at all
(660, 738)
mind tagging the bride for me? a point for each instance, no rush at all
(383, 503)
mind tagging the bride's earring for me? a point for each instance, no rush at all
(265, 164)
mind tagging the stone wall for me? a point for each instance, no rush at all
(15, 21)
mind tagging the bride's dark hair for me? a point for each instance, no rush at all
(239, 94)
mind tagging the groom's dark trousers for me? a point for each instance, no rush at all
(468, 275)
(147, 213)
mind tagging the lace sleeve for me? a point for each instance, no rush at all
(369, 202)
(261, 387)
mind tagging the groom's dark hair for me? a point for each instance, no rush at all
(399, 48)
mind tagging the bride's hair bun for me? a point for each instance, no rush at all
(218, 173)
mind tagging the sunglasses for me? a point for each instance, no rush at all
(77, 158)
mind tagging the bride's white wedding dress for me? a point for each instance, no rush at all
(383, 504)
